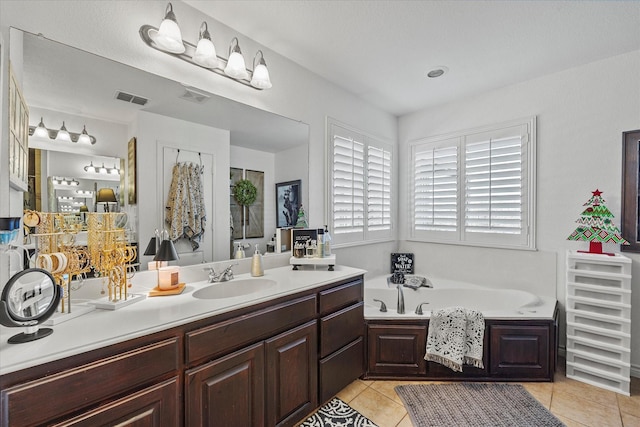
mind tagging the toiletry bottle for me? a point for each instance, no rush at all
(239, 252)
(327, 242)
(320, 250)
(256, 264)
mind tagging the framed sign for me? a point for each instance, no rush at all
(288, 199)
(402, 262)
(630, 220)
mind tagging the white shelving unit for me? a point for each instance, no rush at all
(599, 320)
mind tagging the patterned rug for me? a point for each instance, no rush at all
(336, 413)
(474, 404)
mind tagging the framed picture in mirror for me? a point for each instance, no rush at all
(630, 219)
(131, 171)
(288, 199)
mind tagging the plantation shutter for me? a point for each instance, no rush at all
(348, 185)
(436, 195)
(476, 187)
(493, 180)
(378, 189)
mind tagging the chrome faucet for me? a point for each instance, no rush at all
(226, 274)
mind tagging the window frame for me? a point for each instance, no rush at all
(525, 240)
(366, 236)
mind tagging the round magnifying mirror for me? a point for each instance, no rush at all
(29, 298)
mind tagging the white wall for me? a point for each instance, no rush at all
(110, 29)
(581, 114)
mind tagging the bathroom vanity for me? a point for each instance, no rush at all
(265, 359)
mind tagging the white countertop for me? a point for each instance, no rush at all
(101, 328)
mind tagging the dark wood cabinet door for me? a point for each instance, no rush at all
(228, 391)
(156, 406)
(520, 351)
(291, 375)
(396, 349)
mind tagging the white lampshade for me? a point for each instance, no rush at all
(169, 36)
(114, 171)
(41, 131)
(63, 134)
(90, 168)
(102, 169)
(260, 78)
(84, 137)
(236, 67)
(205, 54)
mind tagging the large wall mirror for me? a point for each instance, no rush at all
(84, 90)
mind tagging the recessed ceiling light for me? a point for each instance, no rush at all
(437, 72)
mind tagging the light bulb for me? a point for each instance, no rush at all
(169, 36)
(260, 78)
(205, 54)
(41, 131)
(84, 137)
(235, 65)
(63, 134)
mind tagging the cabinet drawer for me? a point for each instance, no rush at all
(341, 368)
(156, 406)
(340, 328)
(81, 387)
(223, 337)
(340, 296)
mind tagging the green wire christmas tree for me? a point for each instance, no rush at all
(596, 226)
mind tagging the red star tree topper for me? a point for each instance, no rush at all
(596, 226)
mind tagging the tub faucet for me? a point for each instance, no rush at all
(400, 307)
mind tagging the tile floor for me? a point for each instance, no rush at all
(573, 402)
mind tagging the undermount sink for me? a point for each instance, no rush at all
(234, 288)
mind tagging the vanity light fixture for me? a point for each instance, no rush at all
(114, 170)
(84, 193)
(62, 135)
(168, 39)
(102, 169)
(71, 182)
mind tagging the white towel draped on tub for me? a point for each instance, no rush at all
(455, 338)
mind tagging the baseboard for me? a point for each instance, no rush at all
(635, 369)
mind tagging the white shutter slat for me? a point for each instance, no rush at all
(493, 186)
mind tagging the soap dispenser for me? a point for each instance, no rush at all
(239, 252)
(256, 264)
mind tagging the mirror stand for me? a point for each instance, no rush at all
(29, 298)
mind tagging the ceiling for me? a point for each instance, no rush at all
(382, 50)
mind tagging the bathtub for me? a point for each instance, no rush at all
(520, 336)
(493, 303)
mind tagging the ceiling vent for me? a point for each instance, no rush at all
(194, 95)
(132, 99)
